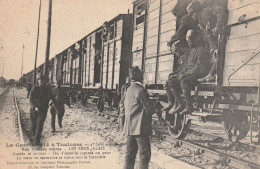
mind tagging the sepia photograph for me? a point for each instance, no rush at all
(130, 84)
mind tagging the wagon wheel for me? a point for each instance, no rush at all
(179, 125)
(236, 125)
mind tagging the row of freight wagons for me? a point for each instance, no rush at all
(140, 39)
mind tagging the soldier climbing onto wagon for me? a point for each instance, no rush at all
(57, 107)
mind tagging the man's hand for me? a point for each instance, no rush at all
(215, 31)
(215, 53)
(181, 77)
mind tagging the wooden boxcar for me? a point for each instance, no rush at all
(234, 96)
(153, 26)
(105, 59)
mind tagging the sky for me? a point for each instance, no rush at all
(71, 21)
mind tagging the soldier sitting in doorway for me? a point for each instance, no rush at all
(57, 108)
(213, 17)
(194, 67)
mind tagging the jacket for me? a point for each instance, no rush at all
(40, 97)
(138, 111)
(61, 98)
(196, 62)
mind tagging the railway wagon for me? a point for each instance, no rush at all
(55, 69)
(105, 59)
(96, 66)
(234, 95)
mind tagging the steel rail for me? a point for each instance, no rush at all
(224, 157)
(19, 119)
(3, 91)
(252, 147)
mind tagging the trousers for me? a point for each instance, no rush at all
(60, 115)
(37, 121)
(135, 143)
(187, 83)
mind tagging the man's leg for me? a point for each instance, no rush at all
(33, 118)
(40, 121)
(169, 96)
(187, 84)
(60, 116)
(175, 87)
(144, 151)
(53, 118)
(131, 152)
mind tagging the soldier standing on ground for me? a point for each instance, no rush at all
(138, 119)
(40, 97)
(29, 88)
(58, 108)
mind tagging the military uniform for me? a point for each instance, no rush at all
(58, 108)
(39, 99)
(29, 88)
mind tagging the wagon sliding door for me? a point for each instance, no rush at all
(161, 25)
(167, 29)
(153, 15)
(138, 34)
(242, 55)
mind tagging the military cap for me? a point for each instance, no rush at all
(135, 73)
(193, 6)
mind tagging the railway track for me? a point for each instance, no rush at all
(18, 119)
(206, 144)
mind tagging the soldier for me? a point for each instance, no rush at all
(138, 118)
(29, 88)
(40, 97)
(180, 50)
(188, 22)
(58, 108)
(195, 67)
(214, 19)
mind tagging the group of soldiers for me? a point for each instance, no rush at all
(42, 96)
(195, 46)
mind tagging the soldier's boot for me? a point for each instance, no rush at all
(180, 105)
(189, 107)
(170, 100)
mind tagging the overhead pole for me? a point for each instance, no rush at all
(47, 53)
(37, 42)
(3, 68)
(22, 69)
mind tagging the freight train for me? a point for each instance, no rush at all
(96, 66)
